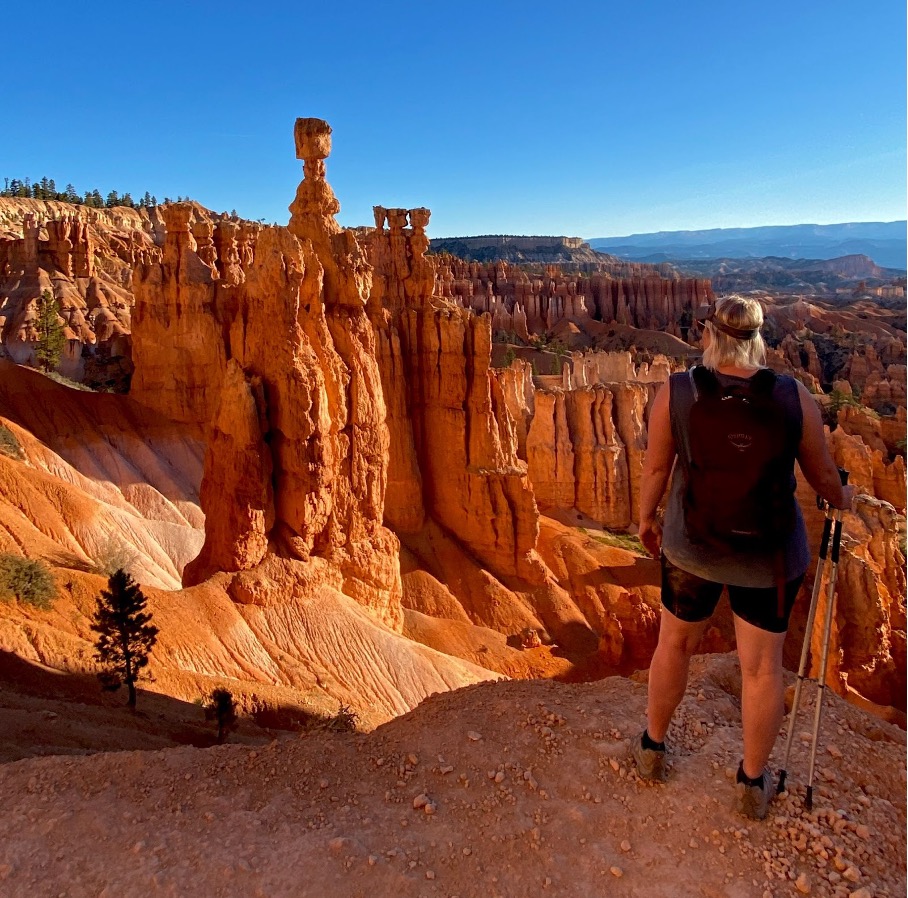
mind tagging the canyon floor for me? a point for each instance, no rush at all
(505, 788)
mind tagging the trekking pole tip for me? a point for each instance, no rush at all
(808, 801)
(843, 474)
(781, 786)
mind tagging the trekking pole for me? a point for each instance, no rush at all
(805, 649)
(827, 630)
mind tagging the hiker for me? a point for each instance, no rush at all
(731, 429)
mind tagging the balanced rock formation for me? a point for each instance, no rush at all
(269, 352)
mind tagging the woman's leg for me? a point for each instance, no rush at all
(762, 692)
(669, 669)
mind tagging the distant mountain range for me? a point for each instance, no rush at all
(884, 242)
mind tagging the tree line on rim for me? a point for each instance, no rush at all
(46, 189)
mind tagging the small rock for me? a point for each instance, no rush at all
(430, 874)
(372, 860)
(802, 884)
(430, 807)
(420, 801)
(862, 892)
(862, 832)
(613, 763)
(852, 874)
(616, 872)
(625, 845)
(473, 736)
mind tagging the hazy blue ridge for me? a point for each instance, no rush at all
(884, 242)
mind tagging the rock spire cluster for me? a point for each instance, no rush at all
(343, 384)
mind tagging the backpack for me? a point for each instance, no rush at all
(739, 485)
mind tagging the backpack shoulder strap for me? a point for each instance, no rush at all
(763, 382)
(704, 382)
(682, 396)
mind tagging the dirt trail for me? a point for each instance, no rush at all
(499, 789)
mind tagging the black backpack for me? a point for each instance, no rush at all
(740, 489)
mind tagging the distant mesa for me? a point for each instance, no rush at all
(884, 242)
(513, 248)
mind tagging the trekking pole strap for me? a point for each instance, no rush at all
(827, 531)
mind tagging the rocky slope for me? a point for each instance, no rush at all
(500, 789)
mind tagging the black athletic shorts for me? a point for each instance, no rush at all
(693, 599)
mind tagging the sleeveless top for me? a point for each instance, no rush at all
(734, 567)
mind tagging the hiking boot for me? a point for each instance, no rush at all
(753, 801)
(650, 762)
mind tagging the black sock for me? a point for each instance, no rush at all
(649, 744)
(742, 777)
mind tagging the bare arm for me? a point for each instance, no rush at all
(657, 467)
(814, 456)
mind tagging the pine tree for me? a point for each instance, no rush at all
(125, 633)
(112, 199)
(50, 337)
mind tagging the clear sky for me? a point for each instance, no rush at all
(585, 118)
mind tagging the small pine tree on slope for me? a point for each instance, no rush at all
(221, 707)
(51, 339)
(125, 633)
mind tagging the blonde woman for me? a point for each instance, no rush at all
(727, 435)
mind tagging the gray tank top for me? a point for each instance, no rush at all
(728, 565)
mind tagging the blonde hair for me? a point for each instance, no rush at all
(740, 312)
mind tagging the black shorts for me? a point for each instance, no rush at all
(693, 599)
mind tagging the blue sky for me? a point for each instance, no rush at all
(584, 118)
